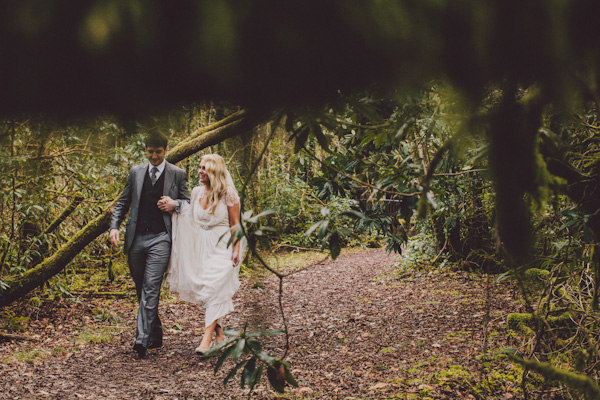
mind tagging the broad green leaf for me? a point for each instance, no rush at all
(313, 228)
(267, 358)
(237, 349)
(255, 378)
(323, 229)
(276, 375)
(254, 344)
(321, 138)
(353, 213)
(233, 371)
(231, 332)
(248, 372)
(289, 377)
(215, 349)
(222, 358)
(334, 245)
(301, 138)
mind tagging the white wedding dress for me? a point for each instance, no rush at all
(201, 269)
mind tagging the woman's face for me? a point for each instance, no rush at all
(202, 173)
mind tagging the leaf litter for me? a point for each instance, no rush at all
(357, 329)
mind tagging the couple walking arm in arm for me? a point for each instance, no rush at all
(155, 194)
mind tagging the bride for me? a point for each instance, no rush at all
(203, 269)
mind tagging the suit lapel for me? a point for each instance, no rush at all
(140, 179)
(168, 179)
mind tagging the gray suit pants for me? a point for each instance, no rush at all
(148, 261)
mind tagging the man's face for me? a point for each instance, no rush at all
(156, 155)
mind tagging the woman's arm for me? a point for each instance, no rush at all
(234, 220)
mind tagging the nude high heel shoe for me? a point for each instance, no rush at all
(201, 351)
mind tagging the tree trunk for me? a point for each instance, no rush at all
(19, 286)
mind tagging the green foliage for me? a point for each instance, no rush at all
(245, 349)
(11, 322)
(44, 167)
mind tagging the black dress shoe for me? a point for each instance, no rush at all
(155, 345)
(140, 349)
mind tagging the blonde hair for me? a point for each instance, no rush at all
(216, 169)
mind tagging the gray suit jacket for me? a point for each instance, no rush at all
(175, 187)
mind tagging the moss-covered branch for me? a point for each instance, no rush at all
(582, 383)
(77, 199)
(19, 286)
(236, 116)
(204, 138)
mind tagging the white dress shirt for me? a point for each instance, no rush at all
(160, 168)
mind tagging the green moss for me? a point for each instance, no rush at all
(98, 334)
(535, 280)
(59, 350)
(453, 373)
(523, 322)
(561, 321)
(519, 322)
(30, 355)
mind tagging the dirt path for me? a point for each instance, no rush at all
(357, 331)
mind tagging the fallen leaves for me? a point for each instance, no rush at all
(355, 328)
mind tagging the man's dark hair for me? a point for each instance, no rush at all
(156, 138)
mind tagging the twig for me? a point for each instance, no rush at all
(461, 172)
(11, 336)
(295, 247)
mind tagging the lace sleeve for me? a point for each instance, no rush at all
(231, 197)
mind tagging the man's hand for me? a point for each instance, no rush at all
(114, 237)
(166, 204)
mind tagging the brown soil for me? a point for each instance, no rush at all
(357, 330)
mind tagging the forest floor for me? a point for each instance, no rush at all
(361, 327)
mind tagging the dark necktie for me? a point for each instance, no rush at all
(153, 175)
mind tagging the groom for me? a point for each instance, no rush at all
(149, 192)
